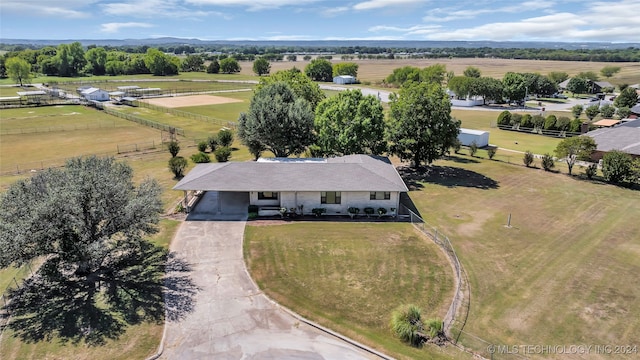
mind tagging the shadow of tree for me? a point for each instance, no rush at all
(448, 176)
(143, 286)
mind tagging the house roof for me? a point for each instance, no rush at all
(604, 84)
(625, 137)
(472, 131)
(636, 109)
(31, 93)
(346, 173)
(90, 91)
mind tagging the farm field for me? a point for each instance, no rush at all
(351, 276)
(564, 273)
(375, 71)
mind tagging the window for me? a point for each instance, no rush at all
(330, 197)
(267, 195)
(379, 195)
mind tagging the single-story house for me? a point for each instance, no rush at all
(468, 136)
(344, 79)
(593, 86)
(625, 137)
(95, 94)
(334, 184)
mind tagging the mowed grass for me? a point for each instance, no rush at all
(519, 141)
(89, 132)
(137, 342)
(173, 85)
(564, 273)
(350, 277)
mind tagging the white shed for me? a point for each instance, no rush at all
(95, 94)
(468, 136)
(344, 79)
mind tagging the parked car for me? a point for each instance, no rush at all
(559, 96)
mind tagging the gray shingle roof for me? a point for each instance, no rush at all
(625, 137)
(346, 173)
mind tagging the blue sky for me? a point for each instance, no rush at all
(540, 20)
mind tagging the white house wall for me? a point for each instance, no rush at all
(310, 200)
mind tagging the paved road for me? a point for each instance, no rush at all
(232, 319)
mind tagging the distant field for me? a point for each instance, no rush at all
(377, 70)
(175, 86)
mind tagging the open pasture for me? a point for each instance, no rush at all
(167, 85)
(31, 140)
(377, 70)
(564, 273)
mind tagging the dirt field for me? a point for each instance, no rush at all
(192, 100)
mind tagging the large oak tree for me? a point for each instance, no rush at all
(421, 127)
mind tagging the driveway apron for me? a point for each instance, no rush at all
(232, 319)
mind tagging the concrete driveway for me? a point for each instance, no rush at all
(232, 318)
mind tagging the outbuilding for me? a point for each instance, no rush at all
(344, 79)
(95, 94)
(468, 136)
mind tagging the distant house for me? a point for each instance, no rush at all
(625, 138)
(593, 87)
(334, 184)
(94, 94)
(468, 136)
(344, 79)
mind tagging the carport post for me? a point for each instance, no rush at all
(186, 201)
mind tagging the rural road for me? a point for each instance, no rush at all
(232, 318)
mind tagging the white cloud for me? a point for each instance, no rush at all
(253, 5)
(452, 14)
(155, 8)
(412, 29)
(334, 11)
(115, 27)
(62, 8)
(377, 4)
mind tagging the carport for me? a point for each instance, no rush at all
(214, 202)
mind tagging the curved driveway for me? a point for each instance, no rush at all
(232, 319)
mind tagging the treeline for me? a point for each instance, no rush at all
(249, 52)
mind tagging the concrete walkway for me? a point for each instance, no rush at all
(232, 319)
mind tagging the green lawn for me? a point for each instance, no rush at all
(351, 276)
(565, 273)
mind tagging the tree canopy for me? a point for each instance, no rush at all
(301, 85)
(161, 64)
(345, 68)
(261, 66)
(472, 71)
(609, 70)
(319, 69)
(18, 70)
(575, 148)
(278, 120)
(421, 128)
(350, 123)
(229, 65)
(87, 223)
(627, 98)
(578, 85)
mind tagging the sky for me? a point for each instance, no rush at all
(477, 20)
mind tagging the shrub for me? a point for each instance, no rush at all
(616, 166)
(473, 148)
(526, 121)
(623, 112)
(252, 208)
(177, 164)
(516, 119)
(202, 146)
(538, 121)
(225, 137)
(527, 159)
(547, 162)
(223, 154)
(562, 123)
(607, 111)
(591, 171)
(434, 327)
(318, 211)
(200, 158)
(592, 111)
(456, 146)
(174, 148)
(406, 323)
(550, 122)
(504, 118)
(252, 215)
(492, 152)
(575, 125)
(576, 110)
(369, 211)
(382, 211)
(353, 211)
(213, 143)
